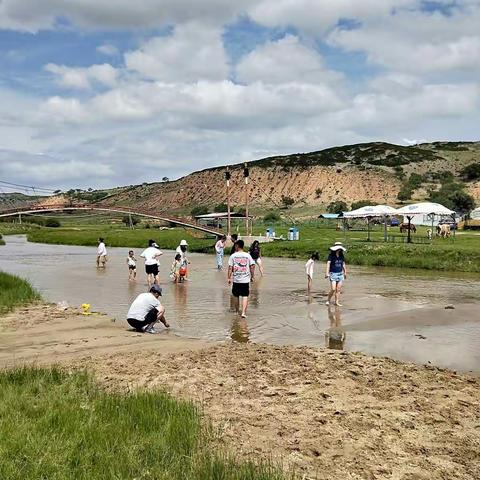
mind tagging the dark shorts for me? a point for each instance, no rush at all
(139, 325)
(153, 269)
(241, 289)
(132, 267)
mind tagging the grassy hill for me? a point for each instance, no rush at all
(380, 172)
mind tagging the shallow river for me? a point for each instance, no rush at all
(385, 312)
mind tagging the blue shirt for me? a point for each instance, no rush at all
(336, 263)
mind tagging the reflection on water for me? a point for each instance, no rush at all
(335, 335)
(280, 310)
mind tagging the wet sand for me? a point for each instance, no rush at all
(330, 414)
(43, 334)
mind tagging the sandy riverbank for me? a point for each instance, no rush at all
(332, 415)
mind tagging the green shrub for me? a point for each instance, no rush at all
(272, 217)
(15, 291)
(337, 207)
(199, 210)
(52, 222)
(471, 172)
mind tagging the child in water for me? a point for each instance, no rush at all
(178, 271)
(309, 269)
(132, 265)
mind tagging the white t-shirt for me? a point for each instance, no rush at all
(182, 254)
(220, 246)
(240, 263)
(142, 305)
(150, 255)
(131, 262)
(309, 267)
(101, 250)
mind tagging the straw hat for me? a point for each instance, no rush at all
(338, 246)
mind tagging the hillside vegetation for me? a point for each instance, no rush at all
(380, 172)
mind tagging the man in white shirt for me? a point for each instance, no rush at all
(146, 310)
(151, 256)
(101, 254)
(241, 268)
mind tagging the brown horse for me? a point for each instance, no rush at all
(404, 228)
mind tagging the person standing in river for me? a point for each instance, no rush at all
(255, 253)
(151, 255)
(336, 272)
(182, 251)
(220, 250)
(241, 269)
(101, 253)
(309, 269)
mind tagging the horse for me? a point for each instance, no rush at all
(444, 230)
(404, 228)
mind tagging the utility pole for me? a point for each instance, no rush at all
(227, 178)
(130, 221)
(246, 175)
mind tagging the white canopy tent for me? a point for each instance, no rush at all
(423, 208)
(370, 211)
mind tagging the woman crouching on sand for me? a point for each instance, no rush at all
(336, 271)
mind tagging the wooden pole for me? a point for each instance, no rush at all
(245, 175)
(229, 225)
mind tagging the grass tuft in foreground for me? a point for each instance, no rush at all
(59, 425)
(15, 291)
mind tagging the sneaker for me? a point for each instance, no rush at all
(150, 330)
(327, 303)
(243, 315)
(338, 304)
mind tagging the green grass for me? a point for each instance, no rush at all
(58, 425)
(15, 291)
(119, 237)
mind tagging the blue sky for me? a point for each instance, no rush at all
(97, 94)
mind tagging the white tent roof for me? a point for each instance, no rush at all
(424, 208)
(370, 211)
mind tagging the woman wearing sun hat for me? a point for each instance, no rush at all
(336, 271)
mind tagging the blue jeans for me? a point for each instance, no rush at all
(219, 260)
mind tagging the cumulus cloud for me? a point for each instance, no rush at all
(192, 52)
(34, 15)
(313, 16)
(83, 78)
(268, 63)
(179, 103)
(417, 41)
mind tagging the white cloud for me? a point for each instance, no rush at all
(192, 52)
(108, 49)
(82, 78)
(314, 16)
(34, 15)
(282, 61)
(418, 42)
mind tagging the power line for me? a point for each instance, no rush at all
(29, 187)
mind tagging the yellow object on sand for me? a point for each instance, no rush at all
(86, 309)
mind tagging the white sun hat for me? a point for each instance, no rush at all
(338, 246)
(183, 243)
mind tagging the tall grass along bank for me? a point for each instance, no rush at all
(15, 291)
(58, 425)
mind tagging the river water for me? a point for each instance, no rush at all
(386, 312)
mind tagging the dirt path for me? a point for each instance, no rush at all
(331, 415)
